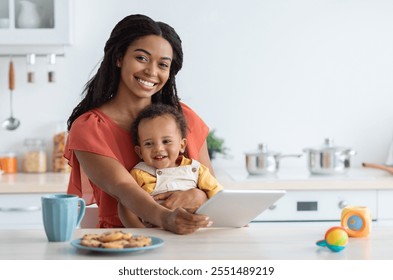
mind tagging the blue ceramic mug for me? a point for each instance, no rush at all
(62, 214)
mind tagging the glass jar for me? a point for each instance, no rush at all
(34, 160)
(8, 162)
(60, 163)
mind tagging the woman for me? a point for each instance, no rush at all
(141, 60)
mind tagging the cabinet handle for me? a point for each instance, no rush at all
(272, 207)
(342, 204)
(20, 209)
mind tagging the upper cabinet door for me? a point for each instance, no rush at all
(35, 22)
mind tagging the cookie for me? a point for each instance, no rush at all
(118, 244)
(91, 243)
(91, 236)
(139, 241)
(111, 236)
(127, 236)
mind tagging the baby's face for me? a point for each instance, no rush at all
(160, 142)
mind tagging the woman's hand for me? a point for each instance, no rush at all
(190, 199)
(181, 221)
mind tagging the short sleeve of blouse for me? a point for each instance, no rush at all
(197, 132)
(94, 133)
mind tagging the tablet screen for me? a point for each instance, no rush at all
(237, 208)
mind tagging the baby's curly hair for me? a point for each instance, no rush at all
(157, 110)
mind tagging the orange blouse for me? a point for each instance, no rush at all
(95, 132)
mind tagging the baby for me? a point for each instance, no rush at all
(159, 134)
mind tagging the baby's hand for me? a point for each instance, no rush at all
(189, 199)
(162, 196)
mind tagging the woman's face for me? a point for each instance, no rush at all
(145, 66)
(160, 141)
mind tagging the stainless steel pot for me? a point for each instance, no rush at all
(329, 159)
(263, 162)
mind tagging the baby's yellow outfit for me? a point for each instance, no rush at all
(189, 174)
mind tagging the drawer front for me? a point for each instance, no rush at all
(318, 205)
(20, 211)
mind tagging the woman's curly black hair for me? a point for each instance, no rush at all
(103, 86)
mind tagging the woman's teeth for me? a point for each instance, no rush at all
(146, 83)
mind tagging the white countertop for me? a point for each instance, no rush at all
(230, 177)
(34, 183)
(292, 240)
(301, 179)
(274, 241)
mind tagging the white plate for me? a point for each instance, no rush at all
(155, 242)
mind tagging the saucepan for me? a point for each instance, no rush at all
(263, 161)
(329, 159)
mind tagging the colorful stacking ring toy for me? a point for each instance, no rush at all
(336, 238)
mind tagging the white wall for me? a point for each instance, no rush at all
(287, 73)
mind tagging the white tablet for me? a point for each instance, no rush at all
(237, 208)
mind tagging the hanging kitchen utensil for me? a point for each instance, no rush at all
(11, 123)
(30, 61)
(51, 67)
(378, 166)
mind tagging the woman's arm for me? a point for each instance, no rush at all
(127, 218)
(114, 179)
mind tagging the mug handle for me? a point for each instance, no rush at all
(82, 210)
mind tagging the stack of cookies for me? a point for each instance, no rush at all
(115, 240)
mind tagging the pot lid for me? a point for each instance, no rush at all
(262, 150)
(328, 145)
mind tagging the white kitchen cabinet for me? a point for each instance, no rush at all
(317, 198)
(24, 211)
(20, 211)
(385, 204)
(53, 27)
(323, 205)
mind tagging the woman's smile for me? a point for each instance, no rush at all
(146, 83)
